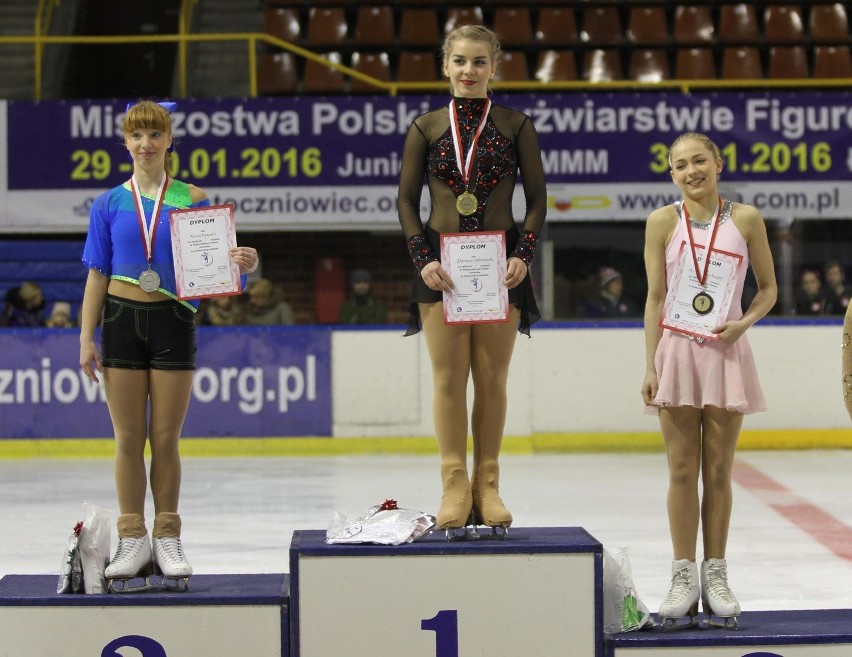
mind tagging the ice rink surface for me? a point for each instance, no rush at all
(790, 544)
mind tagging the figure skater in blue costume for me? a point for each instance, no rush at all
(147, 351)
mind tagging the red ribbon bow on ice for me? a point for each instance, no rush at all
(389, 505)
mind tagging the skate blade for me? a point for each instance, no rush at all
(130, 584)
(175, 584)
(723, 622)
(466, 533)
(673, 624)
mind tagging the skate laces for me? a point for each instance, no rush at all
(681, 586)
(717, 583)
(171, 549)
(126, 548)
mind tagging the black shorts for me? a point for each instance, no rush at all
(141, 336)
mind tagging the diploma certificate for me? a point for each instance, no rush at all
(201, 243)
(696, 309)
(476, 263)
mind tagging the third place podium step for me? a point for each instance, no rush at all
(539, 592)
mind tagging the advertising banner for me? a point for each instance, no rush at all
(333, 162)
(249, 381)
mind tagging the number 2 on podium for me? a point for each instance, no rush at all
(445, 625)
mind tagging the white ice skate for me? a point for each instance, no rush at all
(682, 600)
(170, 562)
(131, 568)
(719, 603)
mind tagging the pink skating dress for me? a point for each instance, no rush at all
(713, 372)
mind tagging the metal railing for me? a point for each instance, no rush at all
(40, 39)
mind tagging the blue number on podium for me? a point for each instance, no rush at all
(146, 646)
(445, 625)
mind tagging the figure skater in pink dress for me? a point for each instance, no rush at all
(701, 378)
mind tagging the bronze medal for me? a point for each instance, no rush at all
(702, 303)
(149, 280)
(466, 204)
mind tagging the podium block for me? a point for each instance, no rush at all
(219, 615)
(809, 633)
(539, 592)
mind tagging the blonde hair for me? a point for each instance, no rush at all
(708, 143)
(148, 115)
(472, 33)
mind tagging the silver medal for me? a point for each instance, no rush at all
(149, 280)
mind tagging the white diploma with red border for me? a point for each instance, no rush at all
(201, 242)
(696, 309)
(476, 263)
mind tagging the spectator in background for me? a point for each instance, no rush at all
(608, 302)
(810, 299)
(222, 311)
(362, 307)
(837, 292)
(265, 308)
(60, 316)
(24, 306)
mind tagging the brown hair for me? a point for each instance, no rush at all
(148, 115)
(709, 144)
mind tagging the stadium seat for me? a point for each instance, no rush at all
(319, 78)
(458, 16)
(513, 67)
(556, 27)
(282, 23)
(513, 25)
(829, 23)
(276, 74)
(783, 24)
(693, 25)
(741, 63)
(601, 26)
(647, 25)
(419, 27)
(417, 67)
(832, 62)
(738, 24)
(602, 65)
(695, 64)
(375, 65)
(556, 66)
(326, 27)
(788, 62)
(374, 26)
(649, 65)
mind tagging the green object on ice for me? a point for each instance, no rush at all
(630, 615)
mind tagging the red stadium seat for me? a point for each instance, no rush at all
(695, 64)
(556, 66)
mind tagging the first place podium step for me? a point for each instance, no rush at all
(536, 594)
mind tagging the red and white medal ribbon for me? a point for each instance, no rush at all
(146, 227)
(466, 168)
(714, 225)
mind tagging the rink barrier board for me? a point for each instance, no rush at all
(763, 439)
(239, 614)
(802, 633)
(538, 592)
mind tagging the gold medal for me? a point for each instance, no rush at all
(149, 280)
(702, 303)
(466, 204)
